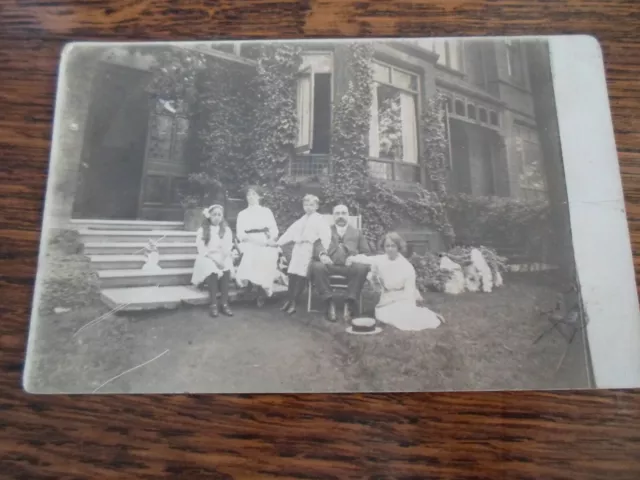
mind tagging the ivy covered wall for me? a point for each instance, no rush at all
(244, 131)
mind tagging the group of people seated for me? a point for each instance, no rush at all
(320, 251)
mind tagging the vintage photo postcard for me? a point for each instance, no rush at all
(380, 215)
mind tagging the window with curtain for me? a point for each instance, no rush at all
(314, 103)
(393, 133)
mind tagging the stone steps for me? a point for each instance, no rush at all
(131, 248)
(134, 236)
(132, 262)
(139, 278)
(135, 225)
(116, 252)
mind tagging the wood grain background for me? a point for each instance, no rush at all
(488, 435)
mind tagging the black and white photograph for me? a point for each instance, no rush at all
(382, 215)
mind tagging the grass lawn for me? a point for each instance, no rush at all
(486, 343)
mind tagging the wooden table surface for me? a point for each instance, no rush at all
(484, 435)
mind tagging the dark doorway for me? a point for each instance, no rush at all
(114, 145)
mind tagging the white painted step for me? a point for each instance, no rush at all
(129, 248)
(98, 224)
(151, 298)
(114, 236)
(139, 278)
(132, 262)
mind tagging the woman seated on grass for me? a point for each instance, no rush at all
(214, 262)
(399, 294)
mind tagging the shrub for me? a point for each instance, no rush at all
(68, 279)
(504, 224)
(429, 277)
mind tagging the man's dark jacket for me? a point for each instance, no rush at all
(353, 243)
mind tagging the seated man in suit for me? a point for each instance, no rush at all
(346, 241)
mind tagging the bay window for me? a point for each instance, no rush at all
(393, 132)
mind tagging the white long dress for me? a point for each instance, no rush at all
(218, 249)
(259, 264)
(397, 305)
(304, 232)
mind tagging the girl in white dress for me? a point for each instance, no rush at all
(256, 231)
(399, 294)
(214, 262)
(303, 234)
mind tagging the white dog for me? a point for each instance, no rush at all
(483, 270)
(152, 258)
(456, 283)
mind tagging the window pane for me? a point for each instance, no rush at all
(409, 122)
(389, 123)
(304, 111)
(381, 73)
(532, 175)
(449, 103)
(440, 47)
(404, 80)
(471, 112)
(460, 110)
(160, 138)
(393, 134)
(483, 115)
(180, 141)
(493, 116)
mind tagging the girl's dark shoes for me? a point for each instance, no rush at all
(213, 311)
(226, 310)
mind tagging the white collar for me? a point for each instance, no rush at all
(341, 230)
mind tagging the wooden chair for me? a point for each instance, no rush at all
(337, 282)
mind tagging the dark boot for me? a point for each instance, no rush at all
(212, 284)
(348, 311)
(224, 294)
(296, 284)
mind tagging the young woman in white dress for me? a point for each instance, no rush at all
(399, 294)
(303, 233)
(214, 262)
(256, 230)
